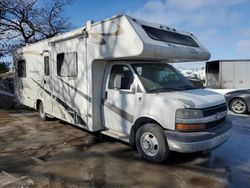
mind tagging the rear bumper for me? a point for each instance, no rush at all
(188, 142)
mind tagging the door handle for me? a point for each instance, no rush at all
(44, 81)
(106, 95)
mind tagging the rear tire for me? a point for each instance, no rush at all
(151, 143)
(42, 114)
(238, 106)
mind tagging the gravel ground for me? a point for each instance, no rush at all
(34, 153)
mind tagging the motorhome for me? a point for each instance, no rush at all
(113, 77)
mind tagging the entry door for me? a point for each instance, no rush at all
(23, 90)
(47, 84)
(120, 103)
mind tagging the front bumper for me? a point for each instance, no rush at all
(188, 142)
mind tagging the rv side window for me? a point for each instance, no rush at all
(127, 77)
(67, 64)
(46, 65)
(21, 68)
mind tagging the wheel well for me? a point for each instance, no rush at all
(38, 103)
(138, 123)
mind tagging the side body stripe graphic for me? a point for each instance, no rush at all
(112, 107)
(70, 110)
(125, 115)
(75, 89)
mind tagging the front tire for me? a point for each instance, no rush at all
(238, 106)
(151, 143)
(42, 114)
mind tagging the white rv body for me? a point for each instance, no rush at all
(75, 87)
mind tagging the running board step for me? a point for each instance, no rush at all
(117, 135)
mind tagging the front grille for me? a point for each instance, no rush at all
(214, 124)
(214, 110)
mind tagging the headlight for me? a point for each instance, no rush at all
(188, 113)
(182, 115)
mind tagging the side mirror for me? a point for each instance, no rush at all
(118, 82)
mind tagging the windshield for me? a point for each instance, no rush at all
(161, 77)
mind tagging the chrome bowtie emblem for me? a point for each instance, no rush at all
(218, 116)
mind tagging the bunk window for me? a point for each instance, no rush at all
(67, 64)
(21, 68)
(168, 36)
(46, 66)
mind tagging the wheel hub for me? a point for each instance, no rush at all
(41, 111)
(239, 106)
(149, 144)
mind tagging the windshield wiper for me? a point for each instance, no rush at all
(187, 87)
(163, 89)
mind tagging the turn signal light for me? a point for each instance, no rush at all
(189, 127)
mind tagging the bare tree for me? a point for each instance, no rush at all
(52, 15)
(4, 67)
(28, 21)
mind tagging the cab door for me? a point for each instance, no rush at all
(119, 103)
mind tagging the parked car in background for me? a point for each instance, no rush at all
(187, 73)
(238, 100)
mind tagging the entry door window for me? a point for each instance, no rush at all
(126, 75)
(46, 66)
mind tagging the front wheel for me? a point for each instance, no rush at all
(238, 106)
(151, 143)
(42, 114)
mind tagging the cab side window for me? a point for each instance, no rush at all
(127, 77)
